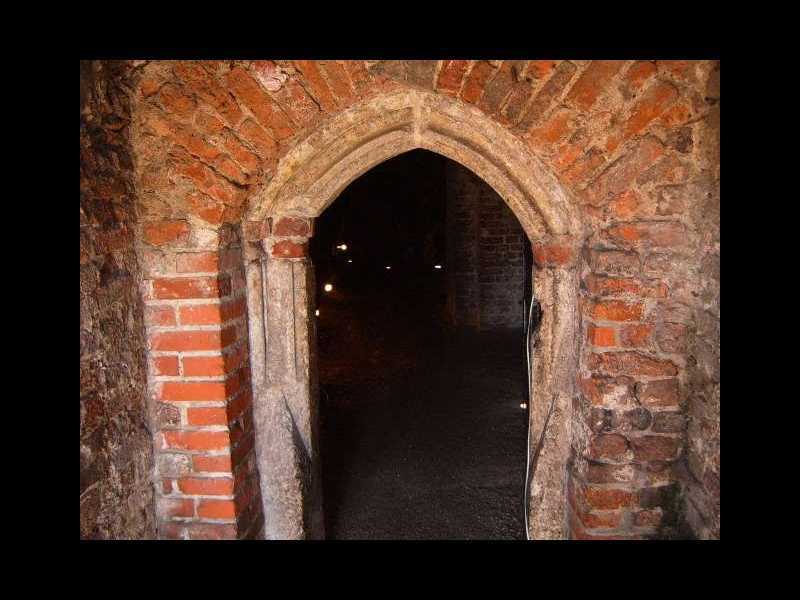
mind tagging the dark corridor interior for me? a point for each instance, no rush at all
(421, 426)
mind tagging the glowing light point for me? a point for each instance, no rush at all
(328, 287)
(437, 266)
(349, 260)
(316, 312)
(388, 268)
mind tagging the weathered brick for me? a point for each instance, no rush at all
(451, 76)
(593, 82)
(617, 310)
(609, 447)
(663, 393)
(263, 107)
(196, 440)
(621, 174)
(655, 447)
(631, 363)
(160, 233)
(476, 80)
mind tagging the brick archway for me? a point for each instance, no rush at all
(280, 289)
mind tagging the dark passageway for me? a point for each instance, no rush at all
(422, 434)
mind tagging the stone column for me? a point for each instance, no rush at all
(554, 357)
(282, 335)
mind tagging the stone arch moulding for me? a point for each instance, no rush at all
(281, 290)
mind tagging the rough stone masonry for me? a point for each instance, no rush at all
(174, 154)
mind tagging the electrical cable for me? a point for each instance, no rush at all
(532, 463)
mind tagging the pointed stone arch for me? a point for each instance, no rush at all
(281, 283)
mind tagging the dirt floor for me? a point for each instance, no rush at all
(422, 433)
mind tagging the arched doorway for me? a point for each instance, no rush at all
(420, 273)
(281, 280)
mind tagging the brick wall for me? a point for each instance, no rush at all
(207, 484)
(628, 140)
(484, 240)
(116, 442)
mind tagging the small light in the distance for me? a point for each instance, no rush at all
(437, 266)
(523, 406)
(349, 260)
(388, 268)
(328, 287)
(342, 247)
(316, 312)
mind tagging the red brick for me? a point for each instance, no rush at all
(198, 262)
(207, 416)
(359, 76)
(548, 94)
(160, 316)
(636, 336)
(656, 233)
(607, 498)
(476, 80)
(631, 363)
(211, 531)
(621, 174)
(249, 161)
(600, 520)
(197, 440)
(200, 314)
(612, 286)
(200, 366)
(208, 124)
(638, 73)
(676, 115)
(583, 168)
(625, 205)
(614, 262)
(263, 107)
(260, 139)
(289, 249)
(593, 82)
(292, 226)
(451, 76)
(211, 464)
(607, 391)
(176, 101)
(205, 86)
(206, 486)
(555, 128)
(663, 393)
(539, 69)
(166, 365)
(617, 310)
(602, 336)
(159, 233)
(609, 473)
(608, 446)
(216, 509)
(148, 87)
(176, 507)
(183, 341)
(338, 81)
(655, 447)
(177, 391)
(233, 309)
(552, 254)
(191, 287)
(319, 88)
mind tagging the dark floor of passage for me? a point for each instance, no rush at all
(422, 434)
